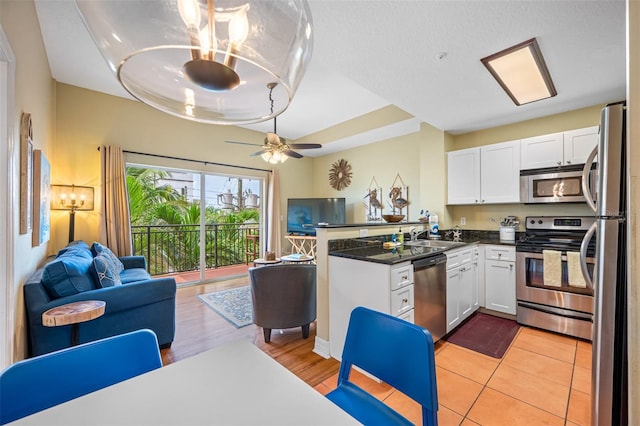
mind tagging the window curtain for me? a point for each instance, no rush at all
(273, 242)
(115, 224)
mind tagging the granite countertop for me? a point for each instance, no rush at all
(370, 249)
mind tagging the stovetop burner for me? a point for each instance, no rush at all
(555, 233)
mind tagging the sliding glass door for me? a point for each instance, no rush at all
(190, 224)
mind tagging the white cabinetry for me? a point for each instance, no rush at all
(558, 149)
(500, 278)
(488, 174)
(462, 285)
(385, 288)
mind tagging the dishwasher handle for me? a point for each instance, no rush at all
(429, 262)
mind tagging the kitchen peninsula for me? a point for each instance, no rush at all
(361, 244)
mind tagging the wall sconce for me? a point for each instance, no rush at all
(522, 72)
(71, 198)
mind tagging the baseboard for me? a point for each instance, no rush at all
(322, 348)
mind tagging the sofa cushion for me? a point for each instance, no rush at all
(104, 272)
(79, 247)
(98, 248)
(132, 275)
(67, 275)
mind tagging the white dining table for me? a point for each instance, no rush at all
(235, 384)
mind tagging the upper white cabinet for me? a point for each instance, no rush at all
(484, 175)
(579, 143)
(558, 149)
(463, 176)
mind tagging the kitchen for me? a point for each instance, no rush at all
(348, 288)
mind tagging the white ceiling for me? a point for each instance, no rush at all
(372, 53)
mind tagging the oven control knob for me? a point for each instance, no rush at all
(533, 221)
(540, 221)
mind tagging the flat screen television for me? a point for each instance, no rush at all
(312, 211)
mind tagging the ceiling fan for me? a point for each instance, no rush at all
(275, 149)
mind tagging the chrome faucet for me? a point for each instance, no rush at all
(414, 234)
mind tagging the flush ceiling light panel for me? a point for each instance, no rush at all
(205, 61)
(521, 72)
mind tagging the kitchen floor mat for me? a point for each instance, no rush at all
(486, 334)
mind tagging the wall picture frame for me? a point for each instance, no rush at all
(41, 196)
(26, 173)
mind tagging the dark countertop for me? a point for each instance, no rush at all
(370, 249)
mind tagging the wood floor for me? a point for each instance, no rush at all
(544, 378)
(198, 328)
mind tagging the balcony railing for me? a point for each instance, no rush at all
(176, 248)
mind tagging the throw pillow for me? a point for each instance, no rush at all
(67, 275)
(98, 249)
(103, 270)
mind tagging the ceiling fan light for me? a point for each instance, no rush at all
(257, 42)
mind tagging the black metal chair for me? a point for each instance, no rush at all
(284, 296)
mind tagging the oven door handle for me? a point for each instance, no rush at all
(583, 254)
(586, 190)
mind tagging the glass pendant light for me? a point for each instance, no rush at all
(203, 60)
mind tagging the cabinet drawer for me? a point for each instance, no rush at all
(401, 300)
(401, 276)
(408, 316)
(500, 253)
(459, 257)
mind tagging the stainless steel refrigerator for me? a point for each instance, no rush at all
(609, 393)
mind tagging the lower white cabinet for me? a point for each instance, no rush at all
(462, 285)
(500, 278)
(385, 288)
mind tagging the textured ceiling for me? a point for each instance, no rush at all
(370, 54)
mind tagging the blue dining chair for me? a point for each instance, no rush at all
(395, 351)
(35, 384)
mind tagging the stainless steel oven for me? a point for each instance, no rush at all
(554, 185)
(561, 306)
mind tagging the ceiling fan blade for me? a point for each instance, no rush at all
(262, 151)
(304, 145)
(244, 143)
(292, 154)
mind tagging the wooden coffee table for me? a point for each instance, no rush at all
(73, 314)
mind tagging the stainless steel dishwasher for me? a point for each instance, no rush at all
(430, 294)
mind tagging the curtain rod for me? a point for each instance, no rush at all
(194, 161)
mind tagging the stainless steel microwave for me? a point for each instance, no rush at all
(555, 185)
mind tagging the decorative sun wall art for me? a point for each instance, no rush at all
(340, 175)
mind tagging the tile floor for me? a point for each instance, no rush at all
(543, 378)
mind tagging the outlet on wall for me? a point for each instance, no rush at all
(364, 232)
(463, 220)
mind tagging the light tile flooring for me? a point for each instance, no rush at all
(543, 378)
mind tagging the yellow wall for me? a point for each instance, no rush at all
(479, 216)
(35, 94)
(88, 119)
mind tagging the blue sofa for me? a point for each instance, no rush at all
(133, 299)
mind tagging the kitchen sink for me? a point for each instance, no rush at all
(434, 243)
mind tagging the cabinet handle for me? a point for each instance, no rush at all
(510, 266)
(405, 300)
(559, 163)
(404, 278)
(476, 201)
(568, 162)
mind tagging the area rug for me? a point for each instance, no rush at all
(233, 304)
(486, 334)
